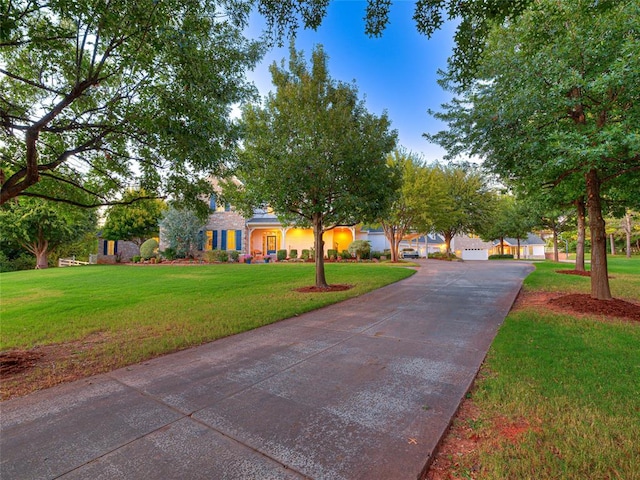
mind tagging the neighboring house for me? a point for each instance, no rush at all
(423, 244)
(531, 247)
(470, 247)
(116, 251)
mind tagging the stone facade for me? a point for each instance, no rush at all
(228, 220)
(116, 251)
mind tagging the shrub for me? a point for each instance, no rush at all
(281, 255)
(443, 256)
(305, 254)
(136, 258)
(217, 256)
(234, 255)
(22, 261)
(360, 248)
(375, 254)
(346, 254)
(149, 248)
(500, 257)
(332, 253)
(169, 253)
(293, 253)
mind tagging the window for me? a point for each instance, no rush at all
(213, 203)
(231, 240)
(110, 247)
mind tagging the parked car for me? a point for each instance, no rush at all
(409, 253)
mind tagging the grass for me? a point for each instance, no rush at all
(111, 316)
(624, 278)
(573, 382)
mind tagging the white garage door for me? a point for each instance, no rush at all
(475, 254)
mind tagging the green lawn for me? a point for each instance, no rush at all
(574, 383)
(110, 316)
(624, 278)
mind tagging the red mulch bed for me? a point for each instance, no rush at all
(330, 288)
(583, 303)
(584, 273)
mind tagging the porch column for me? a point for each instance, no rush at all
(283, 242)
(249, 232)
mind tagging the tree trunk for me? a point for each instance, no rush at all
(41, 260)
(321, 281)
(393, 235)
(613, 245)
(518, 248)
(580, 207)
(40, 248)
(501, 245)
(447, 240)
(599, 272)
(627, 231)
(555, 245)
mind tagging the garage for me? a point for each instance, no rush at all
(475, 254)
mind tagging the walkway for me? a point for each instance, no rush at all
(360, 390)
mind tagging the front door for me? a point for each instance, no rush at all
(271, 245)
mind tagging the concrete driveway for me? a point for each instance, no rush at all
(363, 389)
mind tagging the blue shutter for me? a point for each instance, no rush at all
(227, 207)
(212, 203)
(200, 240)
(105, 247)
(115, 247)
(238, 240)
(223, 240)
(215, 240)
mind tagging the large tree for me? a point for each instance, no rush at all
(126, 92)
(39, 227)
(557, 95)
(133, 220)
(418, 196)
(470, 202)
(314, 154)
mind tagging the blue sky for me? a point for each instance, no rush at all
(396, 72)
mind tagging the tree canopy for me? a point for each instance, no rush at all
(180, 229)
(123, 93)
(313, 153)
(417, 198)
(135, 221)
(556, 101)
(38, 226)
(470, 202)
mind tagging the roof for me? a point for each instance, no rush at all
(430, 238)
(530, 240)
(263, 220)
